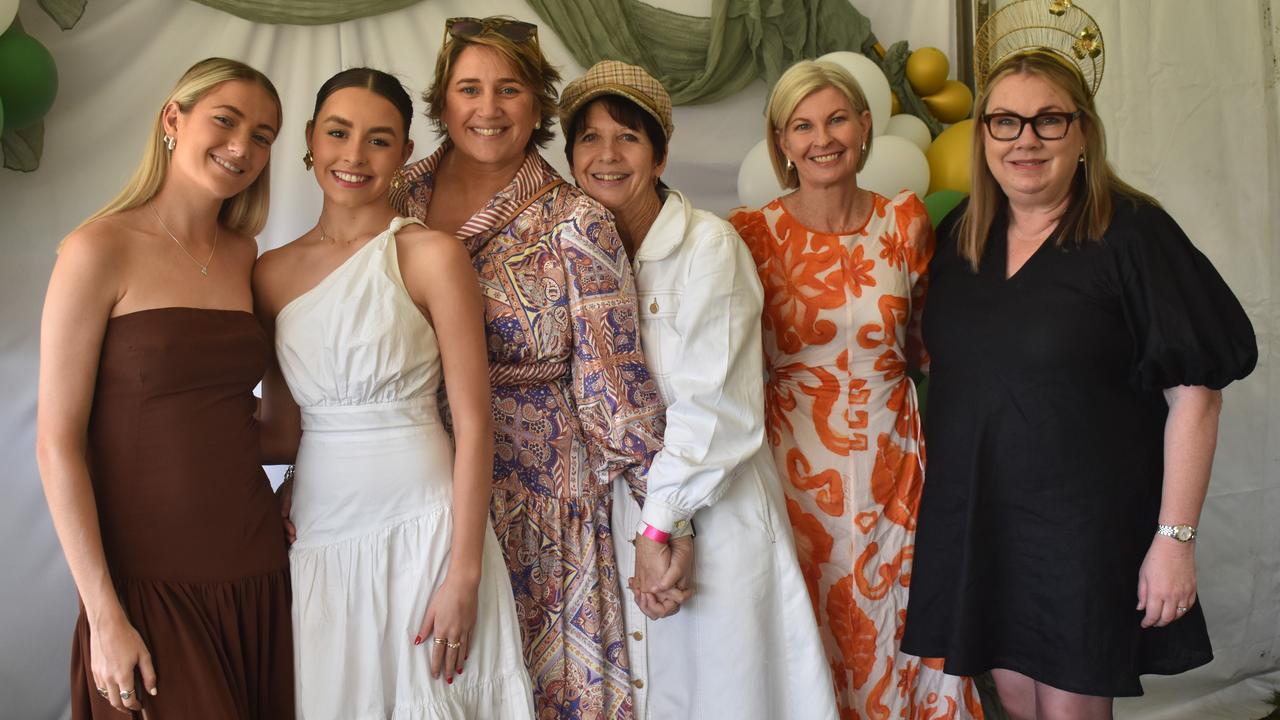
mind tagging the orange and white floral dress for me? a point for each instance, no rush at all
(841, 322)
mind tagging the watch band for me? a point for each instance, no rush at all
(1182, 533)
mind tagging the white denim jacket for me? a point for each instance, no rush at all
(746, 645)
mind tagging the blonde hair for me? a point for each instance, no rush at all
(797, 83)
(531, 67)
(1090, 208)
(245, 212)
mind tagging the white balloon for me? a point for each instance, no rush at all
(875, 86)
(757, 185)
(895, 164)
(8, 10)
(911, 128)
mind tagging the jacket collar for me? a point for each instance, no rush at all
(667, 231)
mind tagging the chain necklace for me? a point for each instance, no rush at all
(204, 266)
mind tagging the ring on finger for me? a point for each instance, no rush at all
(440, 641)
(452, 644)
(103, 692)
(125, 695)
(1182, 609)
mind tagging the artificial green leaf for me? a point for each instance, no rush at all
(23, 148)
(64, 12)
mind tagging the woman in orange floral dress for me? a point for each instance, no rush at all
(843, 275)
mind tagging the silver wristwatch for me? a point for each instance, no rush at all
(1181, 533)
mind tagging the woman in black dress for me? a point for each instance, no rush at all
(1078, 342)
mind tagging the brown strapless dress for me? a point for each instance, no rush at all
(190, 526)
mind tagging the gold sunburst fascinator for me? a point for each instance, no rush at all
(1057, 26)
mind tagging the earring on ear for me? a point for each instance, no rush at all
(537, 125)
(790, 165)
(308, 160)
(169, 142)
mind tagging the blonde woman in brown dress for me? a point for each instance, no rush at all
(147, 444)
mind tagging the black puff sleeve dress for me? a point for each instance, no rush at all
(1045, 439)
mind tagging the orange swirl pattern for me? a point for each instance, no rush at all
(841, 328)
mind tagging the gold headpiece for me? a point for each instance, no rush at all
(1057, 26)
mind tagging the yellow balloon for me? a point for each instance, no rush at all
(949, 158)
(895, 107)
(952, 103)
(927, 70)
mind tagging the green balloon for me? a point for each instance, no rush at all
(28, 79)
(941, 202)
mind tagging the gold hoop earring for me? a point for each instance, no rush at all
(308, 160)
(169, 142)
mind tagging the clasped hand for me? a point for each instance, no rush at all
(663, 579)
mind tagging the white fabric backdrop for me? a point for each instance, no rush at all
(1190, 102)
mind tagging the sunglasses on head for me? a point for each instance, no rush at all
(464, 28)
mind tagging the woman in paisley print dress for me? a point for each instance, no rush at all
(843, 275)
(573, 403)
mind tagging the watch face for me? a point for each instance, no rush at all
(1183, 533)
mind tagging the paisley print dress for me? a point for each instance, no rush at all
(840, 328)
(573, 408)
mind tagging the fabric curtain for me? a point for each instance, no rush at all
(305, 12)
(705, 59)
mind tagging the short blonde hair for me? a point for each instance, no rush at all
(797, 83)
(531, 67)
(245, 212)
(1090, 208)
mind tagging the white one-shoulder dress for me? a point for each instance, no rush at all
(372, 506)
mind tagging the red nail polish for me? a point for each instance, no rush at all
(417, 640)
(459, 672)
(450, 681)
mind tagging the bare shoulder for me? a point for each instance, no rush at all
(271, 272)
(419, 244)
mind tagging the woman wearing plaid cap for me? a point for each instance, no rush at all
(744, 643)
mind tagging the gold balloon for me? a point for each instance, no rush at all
(949, 158)
(927, 70)
(895, 106)
(952, 103)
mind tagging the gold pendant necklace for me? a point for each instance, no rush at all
(204, 266)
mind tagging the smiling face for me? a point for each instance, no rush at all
(490, 113)
(613, 163)
(357, 142)
(824, 138)
(224, 141)
(1028, 169)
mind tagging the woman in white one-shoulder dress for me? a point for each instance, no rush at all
(402, 607)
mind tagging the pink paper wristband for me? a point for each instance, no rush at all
(655, 534)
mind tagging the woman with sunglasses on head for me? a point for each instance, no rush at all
(573, 404)
(1079, 342)
(402, 607)
(720, 655)
(145, 434)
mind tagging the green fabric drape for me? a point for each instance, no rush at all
(701, 60)
(305, 12)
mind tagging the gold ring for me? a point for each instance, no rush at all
(440, 641)
(453, 645)
(103, 692)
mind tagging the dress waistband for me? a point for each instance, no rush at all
(534, 373)
(400, 413)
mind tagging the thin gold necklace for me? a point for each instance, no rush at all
(204, 266)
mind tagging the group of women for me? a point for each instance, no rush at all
(694, 445)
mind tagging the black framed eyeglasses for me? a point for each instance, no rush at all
(516, 31)
(1046, 125)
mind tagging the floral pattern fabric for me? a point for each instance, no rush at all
(573, 406)
(841, 324)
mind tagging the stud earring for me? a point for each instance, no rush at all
(537, 125)
(170, 143)
(308, 160)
